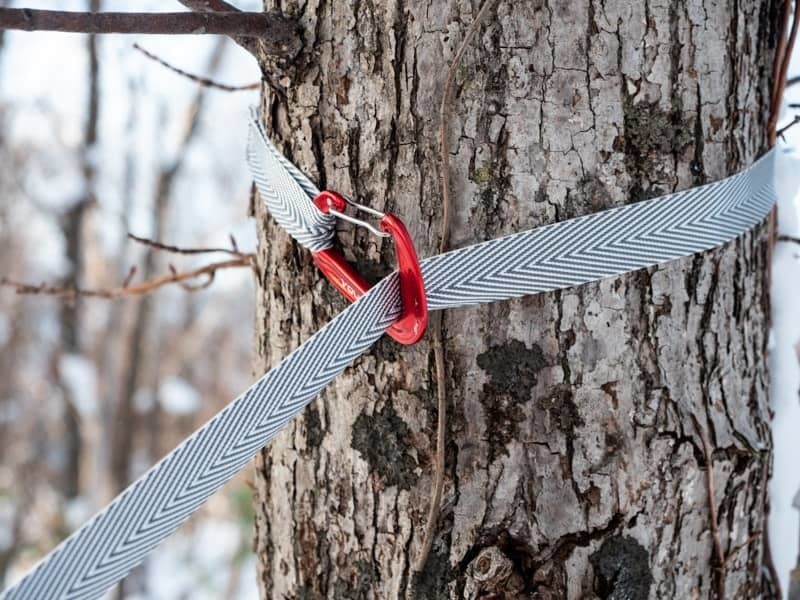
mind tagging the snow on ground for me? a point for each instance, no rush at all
(178, 397)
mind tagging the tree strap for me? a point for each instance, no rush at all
(556, 256)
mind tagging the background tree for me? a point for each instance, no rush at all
(583, 423)
(131, 374)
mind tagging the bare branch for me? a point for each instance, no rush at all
(175, 277)
(204, 81)
(278, 33)
(788, 238)
(786, 128)
(129, 277)
(179, 250)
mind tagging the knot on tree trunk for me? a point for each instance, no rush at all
(284, 36)
(492, 574)
(282, 54)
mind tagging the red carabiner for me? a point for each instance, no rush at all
(410, 327)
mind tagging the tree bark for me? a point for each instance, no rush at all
(574, 468)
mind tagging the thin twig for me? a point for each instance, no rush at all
(788, 238)
(129, 277)
(198, 79)
(786, 128)
(753, 538)
(178, 250)
(444, 150)
(712, 510)
(145, 287)
(436, 321)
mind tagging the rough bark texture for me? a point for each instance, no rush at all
(573, 466)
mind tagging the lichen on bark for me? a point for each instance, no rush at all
(383, 440)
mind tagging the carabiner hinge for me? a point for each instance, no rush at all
(410, 327)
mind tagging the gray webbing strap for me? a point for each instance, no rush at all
(561, 255)
(287, 192)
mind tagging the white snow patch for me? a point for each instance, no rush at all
(787, 184)
(80, 376)
(168, 570)
(45, 258)
(199, 563)
(7, 513)
(784, 518)
(9, 412)
(248, 579)
(5, 330)
(219, 541)
(76, 512)
(143, 401)
(178, 397)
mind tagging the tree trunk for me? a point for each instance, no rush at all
(574, 466)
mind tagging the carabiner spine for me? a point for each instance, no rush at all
(341, 274)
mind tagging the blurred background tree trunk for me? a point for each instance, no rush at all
(574, 465)
(100, 142)
(70, 314)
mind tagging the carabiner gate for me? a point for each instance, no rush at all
(410, 327)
